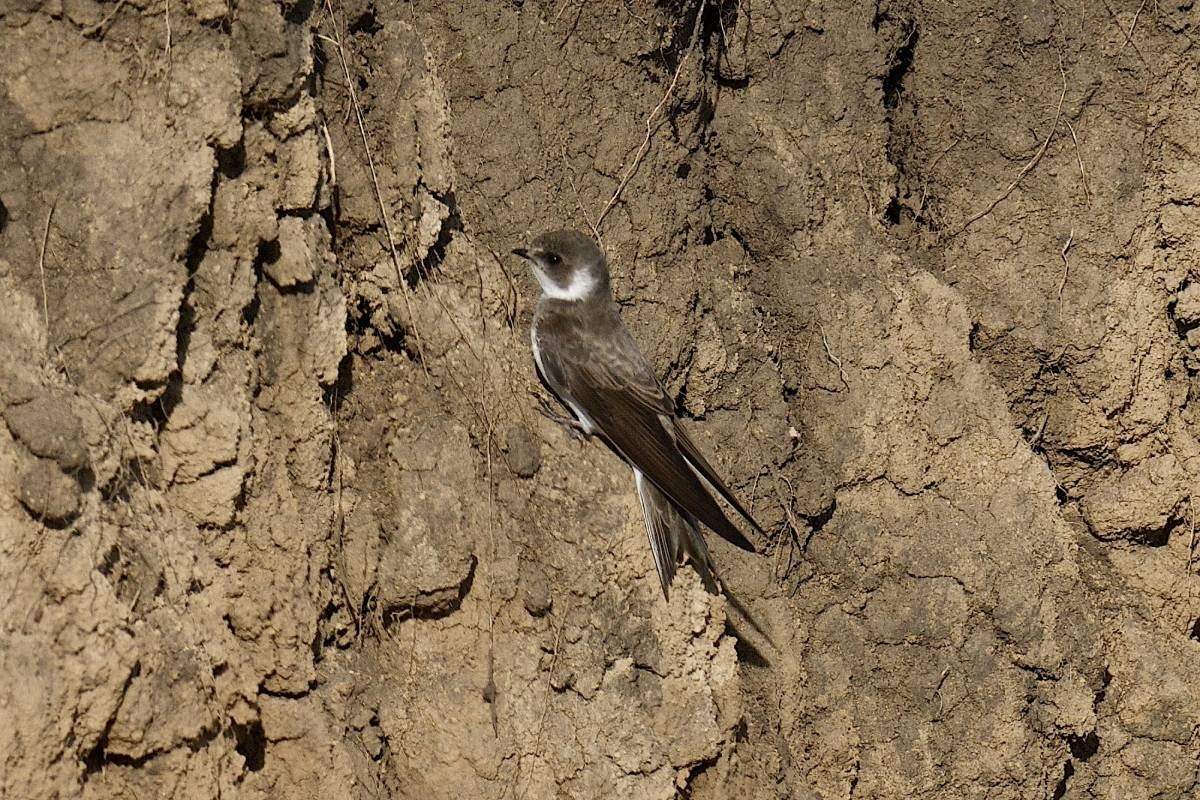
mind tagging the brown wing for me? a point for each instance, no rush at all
(617, 390)
(697, 460)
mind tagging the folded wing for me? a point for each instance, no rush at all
(617, 392)
(701, 465)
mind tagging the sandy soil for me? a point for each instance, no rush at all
(280, 515)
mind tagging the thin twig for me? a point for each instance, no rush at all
(645, 145)
(1066, 267)
(837, 362)
(862, 182)
(1129, 36)
(1087, 194)
(929, 170)
(42, 269)
(1192, 543)
(1116, 21)
(332, 161)
(1190, 555)
(1037, 437)
(387, 225)
(537, 747)
(99, 26)
(167, 4)
(754, 490)
(578, 199)
(1033, 162)
(793, 526)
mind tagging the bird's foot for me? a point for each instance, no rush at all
(573, 427)
(575, 430)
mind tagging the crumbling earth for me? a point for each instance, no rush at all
(281, 515)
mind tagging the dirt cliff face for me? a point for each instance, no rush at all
(280, 515)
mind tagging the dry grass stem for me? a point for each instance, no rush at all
(42, 269)
(541, 729)
(578, 199)
(1087, 194)
(1116, 21)
(929, 170)
(837, 362)
(1029, 165)
(1132, 26)
(1191, 554)
(862, 182)
(103, 23)
(793, 538)
(645, 145)
(383, 214)
(1062, 284)
(1187, 567)
(332, 160)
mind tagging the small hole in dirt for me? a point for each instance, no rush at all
(158, 411)
(299, 12)
(198, 245)
(821, 518)
(742, 243)
(219, 669)
(1194, 633)
(1084, 747)
(251, 744)
(973, 337)
(366, 23)
(250, 312)
(268, 252)
(109, 561)
(893, 81)
(362, 83)
(232, 162)
(1060, 791)
(1160, 536)
(3, 216)
(335, 393)
(709, 236)
(746, 652)
(683, 170)
(891, 214)
(94, 760)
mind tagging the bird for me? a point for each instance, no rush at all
(590, 362)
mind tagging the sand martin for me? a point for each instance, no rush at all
(587, 358)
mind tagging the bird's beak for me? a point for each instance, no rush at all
(522, 252)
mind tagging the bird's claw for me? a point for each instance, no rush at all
(575, 430)
(573, 427)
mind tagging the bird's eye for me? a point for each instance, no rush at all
(553, 260)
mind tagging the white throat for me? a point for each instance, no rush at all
(580, 287)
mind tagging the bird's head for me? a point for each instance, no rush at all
(568, 266)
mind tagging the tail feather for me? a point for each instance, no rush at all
(673, 533)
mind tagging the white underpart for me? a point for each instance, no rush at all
(581, 285)
(537, 353)
(588, 426)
